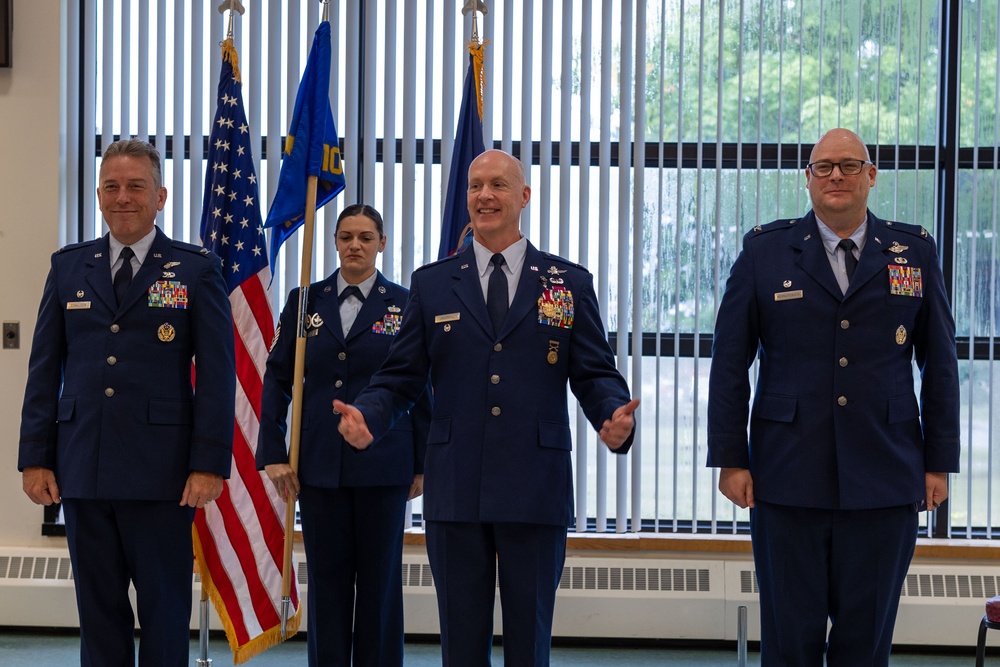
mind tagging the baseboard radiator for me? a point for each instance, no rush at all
(620, 598)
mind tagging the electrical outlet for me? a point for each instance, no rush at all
(11, 335)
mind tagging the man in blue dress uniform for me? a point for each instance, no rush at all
(500, 328)
(841, 456)
(115, 427)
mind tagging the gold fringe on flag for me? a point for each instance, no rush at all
(478, 51)
(257, 645)
(230, 55)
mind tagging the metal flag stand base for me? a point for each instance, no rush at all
(741, 636)
(203, 659)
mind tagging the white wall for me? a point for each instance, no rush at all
(29, 230)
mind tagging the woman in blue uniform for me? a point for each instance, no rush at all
(351, 502)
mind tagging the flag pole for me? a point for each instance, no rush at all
(305, 278)
(232, 6)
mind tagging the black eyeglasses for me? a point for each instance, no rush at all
(847, 167)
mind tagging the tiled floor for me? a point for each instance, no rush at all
(24, 648)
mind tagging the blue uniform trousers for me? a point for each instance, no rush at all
(465, 559)
(847, 566)
(148, 542)
(354, 549)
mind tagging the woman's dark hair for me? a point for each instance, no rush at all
(365, 210)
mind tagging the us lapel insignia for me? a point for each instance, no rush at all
(381, 289)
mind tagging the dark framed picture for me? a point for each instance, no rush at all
(6, 27)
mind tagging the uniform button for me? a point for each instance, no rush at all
(342, 356)
(112, 361)
(109, 392)
(843, 361)
(497, 347)
(115, 328)
(844, 324)
(495, 379)
(495, 411)
(338, 384)
(842, 401)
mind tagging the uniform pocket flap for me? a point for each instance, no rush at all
(554, 435)
(776, 408)
(439, 432)
(902, 409)
(64, 412)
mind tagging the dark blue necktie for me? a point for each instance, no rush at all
(123, 278)
(496, 293)
(850, 261)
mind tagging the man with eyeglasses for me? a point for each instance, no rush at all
(841, 457)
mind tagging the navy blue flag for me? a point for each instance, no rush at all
(455, 231)
(312, 147)
(230, 213)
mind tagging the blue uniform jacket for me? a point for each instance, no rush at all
(109, 404)
(835, 422)
(499, 443)
(339, 367)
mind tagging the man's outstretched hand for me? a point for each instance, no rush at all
(352, 425)
(615, 431)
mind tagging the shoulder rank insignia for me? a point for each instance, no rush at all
(277, 334)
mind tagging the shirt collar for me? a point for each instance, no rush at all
(365, 285)
(513, 256)
(830, 238)
(140, 247)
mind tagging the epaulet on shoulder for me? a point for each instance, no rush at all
(784, 223)
(76, 246)
(428, 265)
(563, 260)
(190, 247)
(908, 228)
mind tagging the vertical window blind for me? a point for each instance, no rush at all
(654, 135)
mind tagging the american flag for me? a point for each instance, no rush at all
(239, 538)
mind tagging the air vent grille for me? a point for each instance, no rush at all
(35, 567)
(597, 578)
